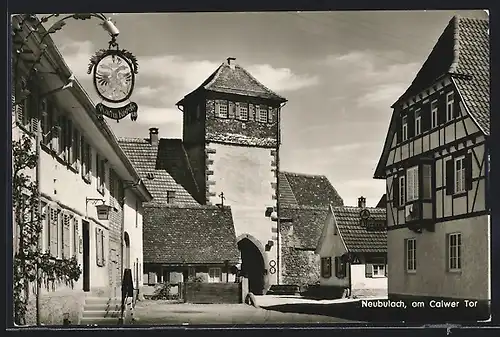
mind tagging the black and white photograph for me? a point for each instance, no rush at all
(287, 167)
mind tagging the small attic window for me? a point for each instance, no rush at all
(150, 175)
(222, 109)
(170, 197)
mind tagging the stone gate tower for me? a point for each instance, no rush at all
(230, 133)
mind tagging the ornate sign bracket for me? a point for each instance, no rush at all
(113, 71)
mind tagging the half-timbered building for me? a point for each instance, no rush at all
(435, 162)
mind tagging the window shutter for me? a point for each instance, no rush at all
(337, 266)
(395, 190)
(450, 177)
(272, 114)
(217, 108)
(103, 254)
(426, 117)
(468, 171)
(328, 267)
(83, 152)
(237, 110)
(399, 135)
(411, 124)
(66, 236)
(368, 270)
(97, 246)
(257, 113)
(231, 109)
(447, 254)
(442, 109)
(76, 238)
(385, 270)
(54, 215)
(456, 106)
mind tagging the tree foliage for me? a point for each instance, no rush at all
(29, 259)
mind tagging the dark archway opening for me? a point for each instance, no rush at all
(252, 266)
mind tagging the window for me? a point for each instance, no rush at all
(61, 136)
(326, 267)
(101, 174)
(454, 251)
(418, 122)
(112, 188)
(243, 111)
(75, 144)
(434, 114)
(222, 108)
(411, 258)
(460, 174)
(412, 184)
(214, 275)
(170, 197)
(405, 128)
(449, 106)
(263, 114)
(340, 267)
(378, 270)
(99, 249)
(402, 191)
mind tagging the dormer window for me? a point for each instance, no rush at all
(405, 128)
(434, 114)
(449, 106)
(418, 122)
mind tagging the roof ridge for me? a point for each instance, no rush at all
(258, 82)
(304, 174)
(185, 206)
(215, 74)
(348, 206)
(456, 43)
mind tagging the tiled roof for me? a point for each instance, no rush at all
(358, 238)
(308, 222)
(462, 49)
(307, 190)
(167, 165)
(236, 80)
(175, 234)
(474, 59)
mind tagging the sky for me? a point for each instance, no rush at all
(340, 71)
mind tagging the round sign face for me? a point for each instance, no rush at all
(364, 214)
(114, 78)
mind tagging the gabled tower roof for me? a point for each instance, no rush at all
(231, 78)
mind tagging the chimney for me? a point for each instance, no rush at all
(229, 59)
(362, 202)
(153, 136)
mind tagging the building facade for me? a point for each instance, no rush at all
(436, 166)
(80, 167)
(353, 251)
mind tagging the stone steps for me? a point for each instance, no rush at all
(101, 311)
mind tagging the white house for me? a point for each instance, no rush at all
(353, 251)
(436, 165)
(81, 166)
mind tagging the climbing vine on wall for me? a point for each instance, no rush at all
(29, 260)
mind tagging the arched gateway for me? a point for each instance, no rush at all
(253, 264)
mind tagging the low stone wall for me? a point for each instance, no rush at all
(195, 292)
(360, 293)
(53, 306)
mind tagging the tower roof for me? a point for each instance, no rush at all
(231, 78)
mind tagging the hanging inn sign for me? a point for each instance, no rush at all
(113, 71)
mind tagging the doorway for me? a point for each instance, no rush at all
(86, 255)
(252, 266)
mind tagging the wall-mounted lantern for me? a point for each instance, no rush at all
(102, 209)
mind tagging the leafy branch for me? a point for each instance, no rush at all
(31, 265)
